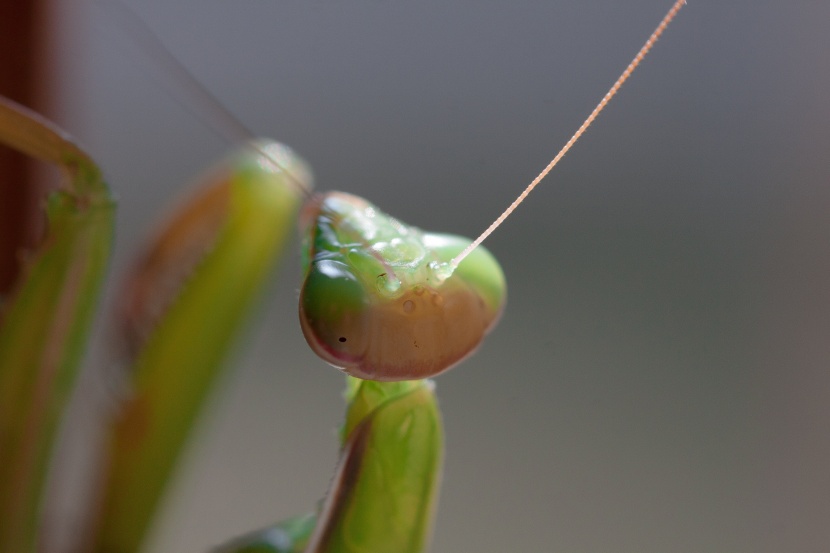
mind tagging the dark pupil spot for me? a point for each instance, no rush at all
(342, 339)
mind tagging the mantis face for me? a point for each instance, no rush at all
(378, 300)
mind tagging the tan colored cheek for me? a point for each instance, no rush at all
(421, 334)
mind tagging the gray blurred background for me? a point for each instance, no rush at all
(659, 381)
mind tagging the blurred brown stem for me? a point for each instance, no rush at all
(22, 68)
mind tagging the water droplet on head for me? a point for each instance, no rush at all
(388, 284)
(441, 271)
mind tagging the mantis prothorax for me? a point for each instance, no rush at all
(381, 301)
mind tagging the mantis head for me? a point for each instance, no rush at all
(380, 300)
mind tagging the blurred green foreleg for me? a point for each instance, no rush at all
(45, 320)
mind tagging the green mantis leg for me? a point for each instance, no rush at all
(46, 319)
(182, 306)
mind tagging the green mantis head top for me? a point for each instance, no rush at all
(379, 300)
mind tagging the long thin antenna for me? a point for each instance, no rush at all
(190, 92)
(605, 99)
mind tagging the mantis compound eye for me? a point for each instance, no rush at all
(377, 301)
(335, 309)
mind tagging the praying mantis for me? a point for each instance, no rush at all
(363, 374)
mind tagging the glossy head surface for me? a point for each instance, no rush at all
(377, 300)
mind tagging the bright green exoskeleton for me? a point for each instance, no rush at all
(383, 496)
(380, 300)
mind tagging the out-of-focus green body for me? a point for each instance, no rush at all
(45, 321)
(252, 207)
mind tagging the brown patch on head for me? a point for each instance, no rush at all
(417, 335)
